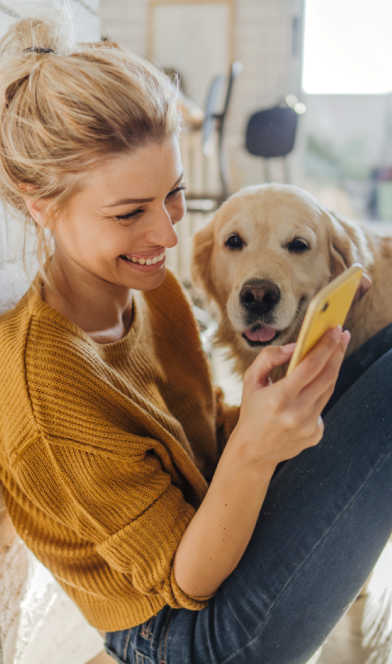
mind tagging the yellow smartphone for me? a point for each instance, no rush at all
(328, 308)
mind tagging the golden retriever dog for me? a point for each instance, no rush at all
(264, 255)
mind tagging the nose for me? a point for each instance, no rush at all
(259, 296)
(162, 231)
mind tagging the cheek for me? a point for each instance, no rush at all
(73, 236)
(311, 271)
(224, 267)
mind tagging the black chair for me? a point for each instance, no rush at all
(271, 133)
(213, 121)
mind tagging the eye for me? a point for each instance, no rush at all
(234, 242)
(175, 192)
(298, 246)
(129, 215)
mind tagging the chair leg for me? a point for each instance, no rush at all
(286, 169)
(223, 165)
(267, 170)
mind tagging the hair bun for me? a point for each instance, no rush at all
(53, 33)
(38, 49)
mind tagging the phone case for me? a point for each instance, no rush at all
(328, 308)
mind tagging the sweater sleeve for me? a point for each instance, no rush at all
(127, 507)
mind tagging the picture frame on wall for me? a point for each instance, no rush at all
(193, 38)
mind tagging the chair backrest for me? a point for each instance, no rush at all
(213, 96)
(271, 133)
(210, 110)
(235, 70)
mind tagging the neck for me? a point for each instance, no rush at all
(101, 309)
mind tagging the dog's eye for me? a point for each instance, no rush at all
(298, 246)
(234, 242)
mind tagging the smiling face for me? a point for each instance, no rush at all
(115, 231)
(268, 250)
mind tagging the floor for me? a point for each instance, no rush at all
(51, 628)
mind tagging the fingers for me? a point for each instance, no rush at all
(309, 435)
(315, 432)
(315, 361)
(323, 385)
(269, 358)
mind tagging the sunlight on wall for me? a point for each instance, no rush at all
(347, 47)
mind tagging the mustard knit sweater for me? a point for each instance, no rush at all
(104, 449)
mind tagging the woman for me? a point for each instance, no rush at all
(157, 508)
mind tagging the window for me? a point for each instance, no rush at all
(347, 47)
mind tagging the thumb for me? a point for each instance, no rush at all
(269, 358)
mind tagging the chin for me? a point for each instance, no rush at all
(148, 282)
(142, 280)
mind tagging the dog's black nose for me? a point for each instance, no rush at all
(259, 296)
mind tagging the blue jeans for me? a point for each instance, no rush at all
(325, 520)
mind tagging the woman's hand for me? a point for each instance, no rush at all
(279, 420)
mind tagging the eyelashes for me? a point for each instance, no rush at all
(135, 213)
(130, 215)
(182, 187)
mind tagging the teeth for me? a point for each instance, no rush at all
(146, 261)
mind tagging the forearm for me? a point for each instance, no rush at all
(218, 535)
(277, 422)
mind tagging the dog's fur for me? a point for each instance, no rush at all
(281, 279)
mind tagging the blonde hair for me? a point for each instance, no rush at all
(63, 107)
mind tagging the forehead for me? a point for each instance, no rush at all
(139, 173)
(272, 213)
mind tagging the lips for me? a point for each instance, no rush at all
(144, 260)
(260, 335)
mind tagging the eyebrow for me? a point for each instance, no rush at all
(127, 201)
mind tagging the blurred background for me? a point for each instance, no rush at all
(335, 57)
(271, 90)
(325, 65)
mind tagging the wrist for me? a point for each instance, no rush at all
(241, 453)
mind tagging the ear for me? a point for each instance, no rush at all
(347, 245)
(203, 243)
(36, 206)
(38, 209)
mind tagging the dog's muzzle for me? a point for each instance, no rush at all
(258, 297)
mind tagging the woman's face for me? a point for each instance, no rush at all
(119, 225)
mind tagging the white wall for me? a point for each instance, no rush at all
(13, 282)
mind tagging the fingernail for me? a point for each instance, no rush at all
(336, 332)
(288, 348)
(346, 336)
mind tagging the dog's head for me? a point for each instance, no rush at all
(264, 255)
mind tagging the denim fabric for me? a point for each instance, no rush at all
(325, 520)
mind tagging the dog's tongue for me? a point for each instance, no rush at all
(263, 333)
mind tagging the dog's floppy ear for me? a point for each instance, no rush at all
(347, 245)
(203, 242)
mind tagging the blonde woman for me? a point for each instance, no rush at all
(157, 508)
